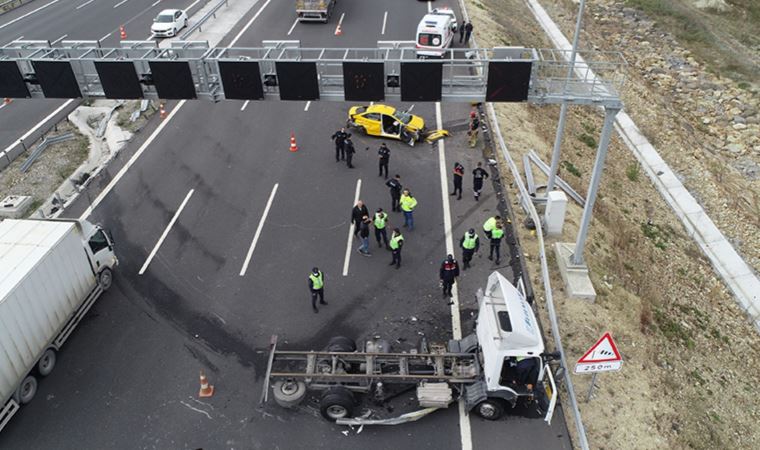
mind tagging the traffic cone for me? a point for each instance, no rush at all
(338, 31)
(7, 100)
(206, 389)
(122, 32)
(293, 146)
(162, 111)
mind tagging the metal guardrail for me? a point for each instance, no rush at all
(42, 147)
(197, 25)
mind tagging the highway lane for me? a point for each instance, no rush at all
(192, 309)
(96, 20)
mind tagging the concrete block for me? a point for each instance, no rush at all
(15, 206)
(556, 206)
(576, 278)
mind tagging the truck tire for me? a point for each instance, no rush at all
(105, 279)
(27, 389)
(490, 409)
(289, 393)
(46, 363)
(336, 403)
(341, 344)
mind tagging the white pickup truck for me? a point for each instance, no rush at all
(501, 365)
(52, 273)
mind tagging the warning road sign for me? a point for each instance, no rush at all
(601, 357)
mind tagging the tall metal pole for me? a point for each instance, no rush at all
(563, 109)
(596, 176)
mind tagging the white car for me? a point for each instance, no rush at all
(169, 22)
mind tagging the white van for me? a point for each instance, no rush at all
(435, 33)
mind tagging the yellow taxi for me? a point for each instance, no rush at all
(388, 122)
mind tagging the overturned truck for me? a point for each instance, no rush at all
(501, 365)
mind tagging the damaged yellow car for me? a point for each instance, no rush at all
(387, 122)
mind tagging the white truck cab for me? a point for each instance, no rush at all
(435, 33)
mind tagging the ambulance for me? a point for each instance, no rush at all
(435, 33)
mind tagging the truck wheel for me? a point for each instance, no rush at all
(46, 363)
(27, 390)
(289, 393)
(105, 278)
(337, 403)
(341, 344)
(490, 409)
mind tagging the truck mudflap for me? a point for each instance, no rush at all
(467, 344)
(404, 418)
(474, 393)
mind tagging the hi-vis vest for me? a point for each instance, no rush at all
(470, 241)
(317, 281)
(395, 240)
(490, 224)
(408, 203)
(497, 233)
(380, 219)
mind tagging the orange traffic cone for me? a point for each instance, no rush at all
(338, 30)
(122, 32)
(206, 389)
(293, 146)
(162, 111)
(7, 100)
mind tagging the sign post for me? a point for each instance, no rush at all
(601, 357)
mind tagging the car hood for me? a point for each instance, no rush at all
(161, 26)
(417, 123)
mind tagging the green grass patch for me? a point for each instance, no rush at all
(587, 139)
(633, 171)
(672, 330)
(660, 236)
(570, 167)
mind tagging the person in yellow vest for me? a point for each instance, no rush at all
(408, 203)
(397, 242)
(496, 234)
(470, 244)
(317, 288)
(490, 224)
(380, 222)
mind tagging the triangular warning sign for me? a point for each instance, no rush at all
(604, 350)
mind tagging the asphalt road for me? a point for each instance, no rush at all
(72, 20)
(128, 377)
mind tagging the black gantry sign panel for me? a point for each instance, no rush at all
(57, 79)
(119, 79)
(508, 81)
(173, 80)
(11, 81)
(241, 80)
(298, 80)
(421, 82)
(363, 81)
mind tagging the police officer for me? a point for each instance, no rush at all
(348, 146)
(384, 154)
(317, 288)
(339, 137)
(408, 203)
(490, 224)
(470, 244)
(357, 213)
(395, 187)
(478, 176)
(496, 234)
(448, 274)
(458, 174)
(397, 242)
(380, 221)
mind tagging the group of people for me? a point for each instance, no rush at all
(344, 147)
(465, 30)
(478, 176)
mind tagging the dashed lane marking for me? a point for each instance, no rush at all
(245, 105)
(295, 22)
(385, 20)
(84, 4)
(306, 108)
(166, 232)
(258, 231)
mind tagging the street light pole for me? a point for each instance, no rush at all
(563, 108)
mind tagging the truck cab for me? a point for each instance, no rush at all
(511, 352)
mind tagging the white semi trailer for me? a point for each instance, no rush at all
(51, 273)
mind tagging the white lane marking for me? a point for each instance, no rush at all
(250, 22)
(245, 105)
(385, 19)
(59, 39)
(28, 14)
(430, 6)
(456, 324)
(129, 163)
(191, 5)
(166, 232)
(306, 108)
(347, 260)
(120, 3)
(155, 3)
(258, 230)
(39, 124)
(105, 37)
(3, 105)
(293, 26)
(342, 16)
(84, 4)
